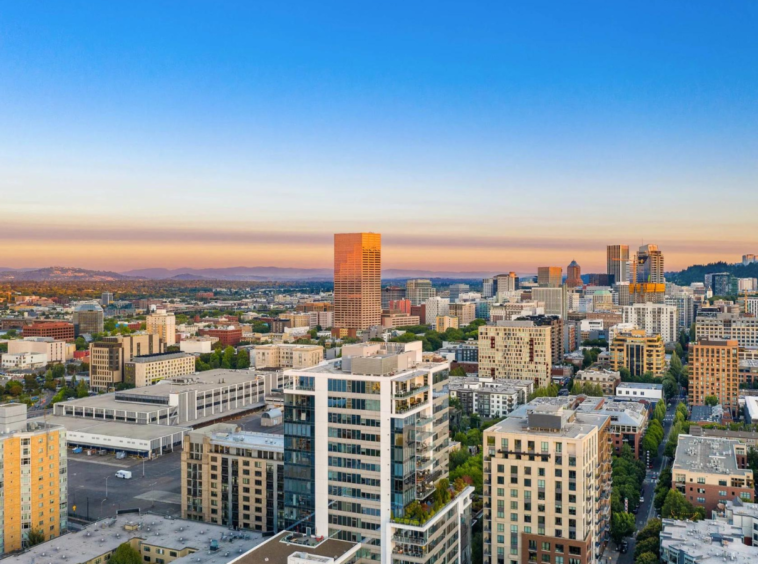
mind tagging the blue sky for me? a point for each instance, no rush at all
(493, 135)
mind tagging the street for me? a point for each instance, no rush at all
(647, 509)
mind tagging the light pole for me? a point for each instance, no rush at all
(106, 487)
(101, 508)
(143, 467)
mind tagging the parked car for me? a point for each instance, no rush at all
(624, 548)
(120, 455)
(77, 450)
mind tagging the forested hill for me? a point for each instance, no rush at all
(697, 272)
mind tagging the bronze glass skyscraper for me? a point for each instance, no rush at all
(357, 280)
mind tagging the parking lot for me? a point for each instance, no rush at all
(157, 491)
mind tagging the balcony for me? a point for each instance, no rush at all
(424, 421)
(402, 394)
(409, 539)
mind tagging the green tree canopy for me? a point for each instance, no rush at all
(125, 554)
(711, 400)
(622, 525)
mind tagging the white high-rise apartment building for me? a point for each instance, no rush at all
(655, 319)
(437, 307)
(365, 442)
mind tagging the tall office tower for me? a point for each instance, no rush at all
(649, 265)
(555, 300)
(638, 352)
(506, 283)
(721, 283)
(488, 288)
(233, 478)
(109, 356)
(162, 324)
(517, 350)
(466, 313)
(392, 294)
(574, 275)
(714, 371)
(617, 258)
(549, 276)
(88, 318)
(654, 319)
(366, 452)
(547, 485)
(748, 259)
(357, 281)
(34, 496)
(437, 306)
(418, 291)
(456, 290)
(106, 298)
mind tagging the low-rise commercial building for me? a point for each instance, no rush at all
(709, 471)
(287, 356)
(198, 345)
(157, 539)
(58, 330)
(233, 478)
(56, 351)
(399, 319)
(148, 369)
(228, 336)
(202, 398)
(743, 515)
(490, 397)
(635, 391)
(703, 542)
(24, 360)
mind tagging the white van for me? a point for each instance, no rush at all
(125, 474)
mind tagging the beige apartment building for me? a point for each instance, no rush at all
(606, 379)
(518, 350)
(393, 319)
(547, 485)
(233, 478)
(107, 357)
(56, 351)
(444, 322)
(150, 369)
(638, 352)
(34, 492)
(730, 326)
(466, 313)
(162, 324)
(715, 371)
(287, 356)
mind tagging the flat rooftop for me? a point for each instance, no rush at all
(277, 549)
(579, 425)
(173, 534)
(640, 386)
(159, 357)
(706, 542)
(220, 434)
(112, 428)
(709, 455)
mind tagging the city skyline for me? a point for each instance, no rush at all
(247, 136)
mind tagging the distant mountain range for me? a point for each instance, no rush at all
(273, 273)
(60, 274)
(237, 273)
